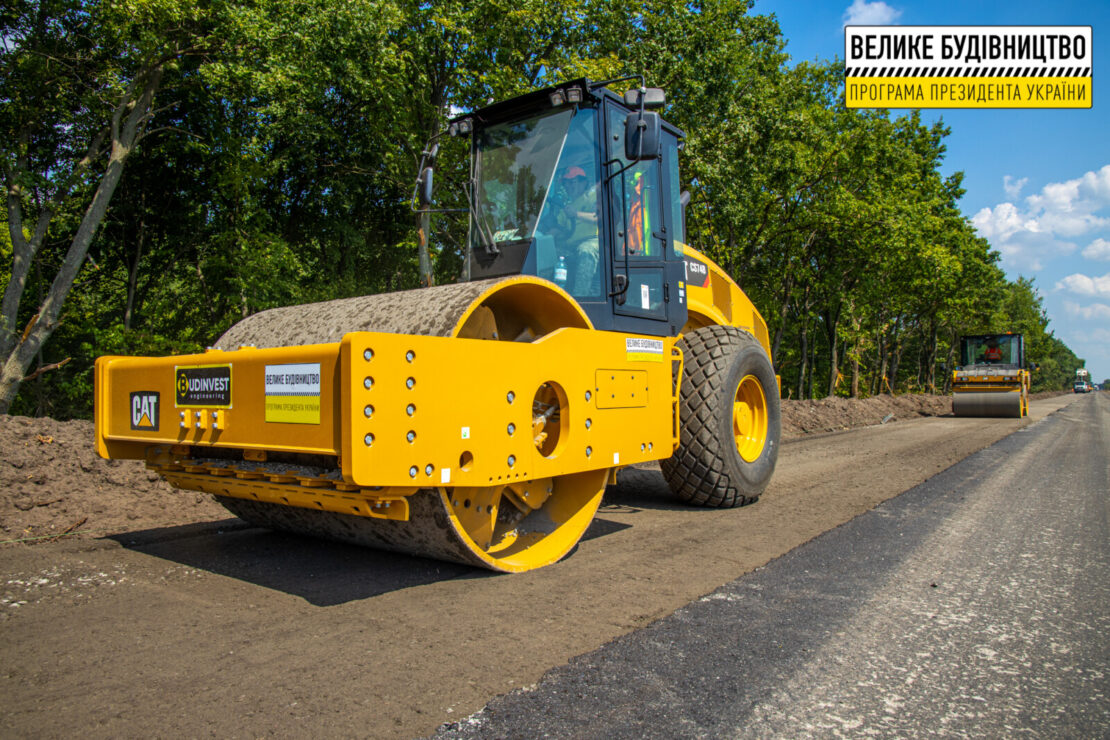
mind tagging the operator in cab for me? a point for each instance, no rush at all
(576, 228)
(993, 353)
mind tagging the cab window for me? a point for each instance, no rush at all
(636, 199)
(567, 237)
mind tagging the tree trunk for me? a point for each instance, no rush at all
(126, 129)
(812, 370)
(895, 359)
(803, 341)
(949, 364)
(788, 285)
(881, 378)
(422, 232)
(133, 273)
(23, 256)
(803, 360)
(931, 371)
(832, 320)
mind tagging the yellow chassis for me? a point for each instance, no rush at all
(395, 413)
(992, 384)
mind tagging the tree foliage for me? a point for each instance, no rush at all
(173, 166)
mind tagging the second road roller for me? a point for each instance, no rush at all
(480, 422)
(992, 379)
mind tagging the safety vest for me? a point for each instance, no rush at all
(637, 240)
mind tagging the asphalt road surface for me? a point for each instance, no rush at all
(232, 631)
(976, 604)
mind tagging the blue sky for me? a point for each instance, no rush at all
(1037, 181)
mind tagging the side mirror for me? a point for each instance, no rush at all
(684, 199)
(424, 187)
(642, 139)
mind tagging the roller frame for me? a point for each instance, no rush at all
(449, 421)
(982, 392)
(465, 396)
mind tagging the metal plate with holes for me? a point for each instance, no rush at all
(621, 389)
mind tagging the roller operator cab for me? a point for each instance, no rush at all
(480, 422)
(579, 186)
(992, 379)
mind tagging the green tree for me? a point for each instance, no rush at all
(81, 81)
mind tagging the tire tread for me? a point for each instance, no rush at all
(697, 472)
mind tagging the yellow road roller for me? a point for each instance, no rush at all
(992, 379)
(480, 422)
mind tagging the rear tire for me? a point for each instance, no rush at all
(730, 420)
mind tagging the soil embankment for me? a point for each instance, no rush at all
(52, 482)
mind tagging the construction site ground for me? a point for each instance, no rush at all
(128, 608)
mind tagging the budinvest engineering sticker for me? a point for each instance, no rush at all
(202, 386)
(637, 349)
(697, 273)
(293, 393)
(144, 411)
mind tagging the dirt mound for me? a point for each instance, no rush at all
(834, 414)
(53, 482)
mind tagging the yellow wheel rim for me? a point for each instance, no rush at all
(749, 418)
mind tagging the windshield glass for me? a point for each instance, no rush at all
(514, 164)
(1004, 349)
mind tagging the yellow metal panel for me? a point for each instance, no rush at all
(437, 411)
(621, 389)
(468, 405)
(124, 383)
(717, 299)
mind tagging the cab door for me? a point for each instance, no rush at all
(642, 246)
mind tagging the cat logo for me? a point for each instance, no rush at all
(144, 411)
(697, 273)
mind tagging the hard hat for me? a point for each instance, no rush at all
(573, 172)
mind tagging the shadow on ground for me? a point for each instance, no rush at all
(322, 572)
(641, 488)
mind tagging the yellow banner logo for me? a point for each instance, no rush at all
(968, 66)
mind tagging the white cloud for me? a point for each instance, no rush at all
(1071, 208)
(1097, 287)
(1012, 186)
(1001, 222)
(1018, 238)
(1099, 249)
(863, 13)
(1093, 311)
(1026, 235)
